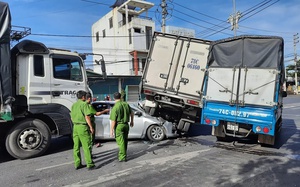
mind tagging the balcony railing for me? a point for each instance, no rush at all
(123, 21)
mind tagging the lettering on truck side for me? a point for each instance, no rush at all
(240, 113)
(65, 92)
(68, 92)
(193, 64)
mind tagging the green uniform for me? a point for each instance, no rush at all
(93, 113)
(81, 133)
(121, 114)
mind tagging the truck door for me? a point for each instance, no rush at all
(33, 78)
(175, 63)
(188, 78)
(257, 86)
(241, 86)
(162, 63)
(68, 79)
(222, 84)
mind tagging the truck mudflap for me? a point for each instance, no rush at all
(227, 120)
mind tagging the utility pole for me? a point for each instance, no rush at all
(234, 19)
(296, 40)
(164, 13)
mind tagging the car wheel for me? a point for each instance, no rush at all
(155, 133)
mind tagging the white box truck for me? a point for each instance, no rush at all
(173, 78)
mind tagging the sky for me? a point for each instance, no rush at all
(67, 23)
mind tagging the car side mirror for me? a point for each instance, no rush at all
(138, 113)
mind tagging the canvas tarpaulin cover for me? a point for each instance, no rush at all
(249, 51)
(5, 65)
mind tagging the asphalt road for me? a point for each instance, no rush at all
(196, 160)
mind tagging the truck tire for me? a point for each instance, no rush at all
(28, 138)
(222, 139)
(155, 133)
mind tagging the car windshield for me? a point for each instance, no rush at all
(100, 106)
(138, 106)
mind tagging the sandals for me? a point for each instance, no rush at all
(98, 145)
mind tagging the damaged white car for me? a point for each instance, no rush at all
(145, 126)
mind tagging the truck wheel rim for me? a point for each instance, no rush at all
(30, 139)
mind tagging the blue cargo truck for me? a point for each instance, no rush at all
(243, 88)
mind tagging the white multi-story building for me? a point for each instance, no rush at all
(123, 37)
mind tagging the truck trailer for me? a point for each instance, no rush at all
(173, 78)
(243, 89)
(38, 86)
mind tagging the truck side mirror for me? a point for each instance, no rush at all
(103, 68)
(284, 94)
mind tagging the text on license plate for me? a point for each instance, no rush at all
(233, 127)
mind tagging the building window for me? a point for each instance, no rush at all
(129, 35)
(148, 37)
(137, 30)
(103, 33)
(38, 66)
(143, 64)
(97, 36)
(111, 23)
(133, 69)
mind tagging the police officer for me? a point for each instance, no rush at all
(93, 113)
(120, 116)
(82, 130)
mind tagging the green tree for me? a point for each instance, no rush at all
(290, 69)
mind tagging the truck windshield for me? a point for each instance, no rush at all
(69, 69)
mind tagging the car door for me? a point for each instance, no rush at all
(102, 129)
(138, 127)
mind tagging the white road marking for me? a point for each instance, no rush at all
(54, 166)
(290, 106)
(176, 159)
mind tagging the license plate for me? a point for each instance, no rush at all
(233, 127)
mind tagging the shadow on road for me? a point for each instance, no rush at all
(60, 144)
(287, 131)
(280, 166)
(4, 156)
(199, 130)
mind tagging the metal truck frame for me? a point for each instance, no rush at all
(244, 88)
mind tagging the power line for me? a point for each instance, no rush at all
(259, 10)
(96, 2)
(266, 30)
(199, 25)
(207, 29)
(84, 36)
(196, 11)
(223, 24)
(259, 6)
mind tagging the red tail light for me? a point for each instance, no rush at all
(192, 102)
(207, 121)
(266, 130)
(148, 92)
